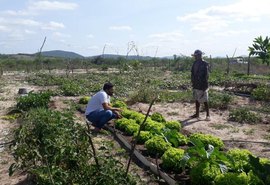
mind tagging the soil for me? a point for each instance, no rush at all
(255, 138)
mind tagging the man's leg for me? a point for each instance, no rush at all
(197, 108)
(206, 108)
(105, 116)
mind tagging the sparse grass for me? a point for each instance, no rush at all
(173, 113)
(267, 137)
(220, 126)
(234, 130)
(249, 131)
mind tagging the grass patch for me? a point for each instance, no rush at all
(220, 126)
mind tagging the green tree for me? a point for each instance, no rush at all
(261, 49)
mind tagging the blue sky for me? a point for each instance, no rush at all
(147, 27)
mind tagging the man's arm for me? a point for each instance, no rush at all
(107, 106)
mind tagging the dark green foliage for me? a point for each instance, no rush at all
(175, 137)
(260, 169)
(204, 173)
(243, 115)
(33, 100)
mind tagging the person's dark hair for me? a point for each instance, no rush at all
(107, 86)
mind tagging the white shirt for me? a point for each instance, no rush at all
(95, 103)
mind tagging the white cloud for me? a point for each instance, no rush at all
(53, 26)
(218, 17)
(29, 32)
(121, 28)
(4, 28)
(61, 35)
(167, 37)
(90, 36)
(52, 5)
(231, 33)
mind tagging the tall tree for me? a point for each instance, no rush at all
(261, 49)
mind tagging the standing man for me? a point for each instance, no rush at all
(199, 79)
(99, 110)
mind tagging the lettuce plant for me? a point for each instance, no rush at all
(157, 145)
(171, 159)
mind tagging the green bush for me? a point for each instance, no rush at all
(243, 115)
(175, 137)
(174, 125)
(143, 137)
(131, 128)
(84, 100)
(261, 93)
(232, 179)
(219, 100)
(70, 88)
(207, 139)
(204, 173)
(171, 159)
(158, 117)
(241, 158)
(33, 100)
(119, 104)
(154, 127)
(53, 149)
(157, 145)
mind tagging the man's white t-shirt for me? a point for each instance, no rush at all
(95, 103)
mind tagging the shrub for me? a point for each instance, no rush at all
(171, 159)
(219, 100)
(70, 88)
(241, 158)
(175, 137)
(33, 100)
(131, 128)
(84, 100)
(261, 93)
(119, 104)
(143, 137)
(175, 125)
(54, 149)
(243, 115)
(204, 173)
(122, 123)
(232, 179)
(154, 127)
(157, 145)
(158, 117)
(207, 139)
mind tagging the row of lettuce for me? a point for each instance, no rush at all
(202, 156)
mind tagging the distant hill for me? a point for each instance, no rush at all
(130, 57)
(61, 54)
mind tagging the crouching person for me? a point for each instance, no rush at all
(99, 110)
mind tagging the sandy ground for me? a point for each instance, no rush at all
(256, 138)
